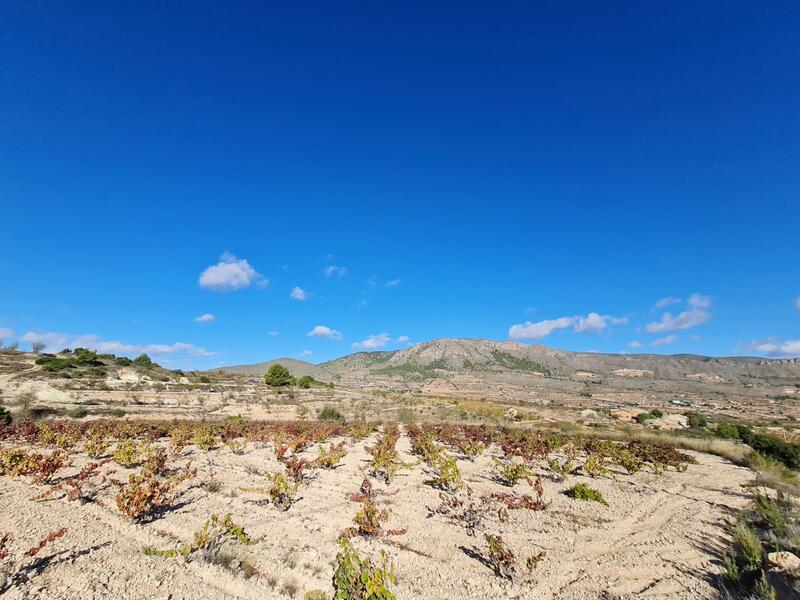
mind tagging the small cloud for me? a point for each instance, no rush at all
(776, 347)
(372, 281)
(334, 271)
(797, 303)
(272, 333)
(699, 301)
(694, 338)
(206, 318)
(373, 342)
(635, 344)
(362, 303)
(530, 310)
(540, 329)
(305, 353)
(669, 300)
(595, 323)
(6, 333)
(325, 332)
(403, 339)
(393, 282)
(230, 274)
(669, 339)
(298, 293)
(695, 315)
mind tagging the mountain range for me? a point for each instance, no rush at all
(443, 358)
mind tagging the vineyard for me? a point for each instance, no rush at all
(247, 509)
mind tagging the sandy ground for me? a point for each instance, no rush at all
(660, 536)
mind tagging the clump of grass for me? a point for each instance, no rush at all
(581, 491)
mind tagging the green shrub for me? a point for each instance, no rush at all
(656, 413)
(278, 376)
(5, 417)
(581, 491)
(726, 430)
(510, 472)
(306, 381)
(329, 413)
(143, 361)
(696, 420)
(787, 453)
(447, 475)
(357, 578)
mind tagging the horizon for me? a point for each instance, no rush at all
(222, 184)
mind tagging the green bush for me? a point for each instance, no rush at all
(278, 376)
(787, 453)
(357, 578)
(306, 381)
(696, 420)
(329, 413)
(143, 361)
(581, 491)
(727, 430)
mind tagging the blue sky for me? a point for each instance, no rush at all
(548, 172)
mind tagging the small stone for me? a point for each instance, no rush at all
(785, 561)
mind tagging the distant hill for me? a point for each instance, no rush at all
(298, 368)
(443, 357)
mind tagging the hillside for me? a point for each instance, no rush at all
(296, 367)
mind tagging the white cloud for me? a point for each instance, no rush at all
(592, 323)
(595, 323)
(373, 342)
(204, 318)
(372, 281)
(403, 339)
(635, 344)
(669, 339)
(699, 301)
(362, 303)
(6, 333)
(54, 342)
(333, 270)
(230, 274)
(298, 293)
(666, 302)
(534, 331)
(694, 338)
(797, 303)
(272, 333)
(393, 282)
(776, 347)
(695, 315)
(305, 353)
(325, 332)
